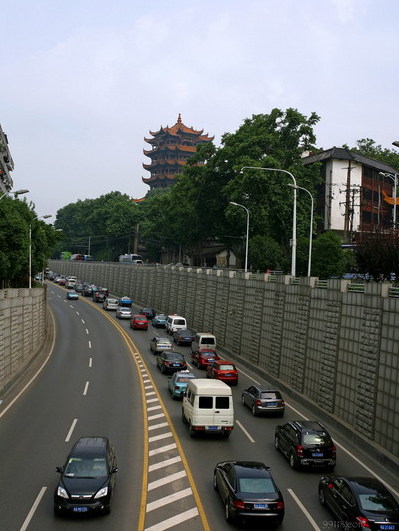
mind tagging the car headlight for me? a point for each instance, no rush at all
(62, 493)
(102, 492)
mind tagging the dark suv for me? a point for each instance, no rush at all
(306, 443)
(87, 478)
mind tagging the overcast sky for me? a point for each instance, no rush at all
(84, 81)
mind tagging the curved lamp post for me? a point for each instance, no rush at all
(17, 192)
(293, 258)
(311, 226)
(30, 246)
(246, 240)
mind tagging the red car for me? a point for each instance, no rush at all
(202, 357)
(223, 370)
(139, 322)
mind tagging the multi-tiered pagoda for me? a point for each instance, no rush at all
(170, 149)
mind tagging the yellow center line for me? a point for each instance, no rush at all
(133, 349)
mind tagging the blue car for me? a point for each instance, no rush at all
(125, 302)
(72, 295)
(177, 383)
(159, 321)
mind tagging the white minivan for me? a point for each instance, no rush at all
(208, 407)
(203, 340)
(175, 322)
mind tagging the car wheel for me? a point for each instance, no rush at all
(107, 510)
(215, 483)
(226, 434)
(253, 409)
(57, 511)
(193, 432)
(227, 514)
(162, 369)
(183, 417)
(330, 468)
(292, 459)
(276, 443)
(322, 497)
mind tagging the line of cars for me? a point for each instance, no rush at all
(247, 489)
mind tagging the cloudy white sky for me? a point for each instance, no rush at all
(84, 81)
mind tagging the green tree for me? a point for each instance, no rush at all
(265, 253)
(368, 148)
(377, 253)
(328, 257)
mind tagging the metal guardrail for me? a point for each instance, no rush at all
(356, 288)
(393, 292)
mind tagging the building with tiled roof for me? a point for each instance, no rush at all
(6, 164)
(170, 149)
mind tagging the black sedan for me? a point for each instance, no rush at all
(183, 337)
(171, 361)
(248, 492)
(87, 479)
(362, 502)
(150, 313)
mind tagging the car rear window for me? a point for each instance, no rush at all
(376, 502)
(180, 322)
(222, 402)
(226, 367)
(208, 354)
(175, 356)
(256, 485)
(317, 438)
(273, 395)
(208, 341)
(205, 402)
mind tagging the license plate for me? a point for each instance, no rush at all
(176, 365)
(261, 506)
(227, 374)
(317, 454)
(271, 404)
(213, 428)
(80, 509)
(387, 527)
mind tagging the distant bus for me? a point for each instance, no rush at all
(88, 258)
(131, 259)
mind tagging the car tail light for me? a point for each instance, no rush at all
(239, 504)
(330, 485)
(334, 451)
(299, 451)
(259, 402)
(280, 505)
(364, 523)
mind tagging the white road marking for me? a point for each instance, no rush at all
(89, 344)
(68, 437)
(152, 400)
(162, 449)
(90, 362)
(250, 377)
(153, 407)
(157, 416)
(168, 479)
(85, 389)
(163, 464)
(168, 499)
(150, 393)
(157, 426)
(304, 510)
(245, 431)
(77, 313)
(71, 306)
(33, 509)
(175, 520)
(160, 437)
(83, 321)
(87, 331)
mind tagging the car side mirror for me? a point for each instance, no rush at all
(59, 469)
(114, 469)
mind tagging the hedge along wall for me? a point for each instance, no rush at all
(22, 330)
(337, 348)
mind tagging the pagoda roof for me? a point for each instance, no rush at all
(179, 127)
(154, 164)
(158, 178)
(188, 149)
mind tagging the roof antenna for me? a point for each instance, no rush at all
(179, 119)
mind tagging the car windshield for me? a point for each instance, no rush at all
(86, 468)
(377, 502)
(208, 354)
(316, 438)
(112, 301)
(256, 485)
(226, 367)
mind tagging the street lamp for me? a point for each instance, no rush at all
(311, 226)
(30, 246)
(246, 241)
(17, 192)
(293, 258)
(394, 177)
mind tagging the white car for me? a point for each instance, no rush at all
(159, 344)
(123, 312)
(111, 304)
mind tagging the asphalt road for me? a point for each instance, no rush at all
(99, 382)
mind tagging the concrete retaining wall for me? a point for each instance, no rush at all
(337, 348)
(22, 330)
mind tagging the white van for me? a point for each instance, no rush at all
(208, 407)
(175, 322)
(204, 340)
